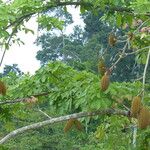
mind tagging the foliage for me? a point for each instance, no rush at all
(70, 90)
(16, 13)
(11, 70)
(49, 138)
(82, 49)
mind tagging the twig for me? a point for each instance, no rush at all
(140, 78)
(23, 99)
(122, 55)
(57, 4)
(142, 92)
(137, 51)
(144, 74)
(9, 39)
(60, 119)
(134, 136)
(44, 113)
(141, 25)
(126, 107)
(1, 61)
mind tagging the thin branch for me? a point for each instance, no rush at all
(23, 99)
(142, 92)
(138, 79)
(57, 4)
(41, 10)
(137, 51)
(141, 26)
(20, 19)
(45, 114)
(9, 39)
(1, 61)
(13, 101)
(41, 94)
(134, 136)
(60, 119)
(79, 3)
(144, 74)
(122, 55)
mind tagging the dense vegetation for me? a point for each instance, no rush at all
(69, 103)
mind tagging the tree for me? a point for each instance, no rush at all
(65, 90)
(82, 96)
(82, 49)
(11, 69)
(61, 47)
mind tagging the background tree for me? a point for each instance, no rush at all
(82, 49)
(11, 69)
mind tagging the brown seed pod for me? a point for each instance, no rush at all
(145, 29)
(105, 82)
(2, 88)
(69, 124)
(136, 106)
(144, 118)
(31, 100)
(101, 66)
(112, 39)
(131, 36)
(78, 125)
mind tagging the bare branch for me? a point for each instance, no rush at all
(146, 21)
(144, 74)
(134, 136)
(9, 39)
(60, 119)
(45, 114)
(77, 3)
(7, 43)
(19, 20)
(122, 55)
(13, 101)
(137, 51)
(23, 99)
(138, 79)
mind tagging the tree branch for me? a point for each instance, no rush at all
(43, 9)
(137, 51)
(60, 119)
(79, 3)
(134, 136)
(8, 42)
(144, 74)
(23, 99)
(45, 114)
(122, 55)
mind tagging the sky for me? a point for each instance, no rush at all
(25, 55)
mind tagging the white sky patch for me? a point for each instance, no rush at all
(25, 55)
(76, 19)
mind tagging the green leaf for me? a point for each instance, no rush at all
(119, 19)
